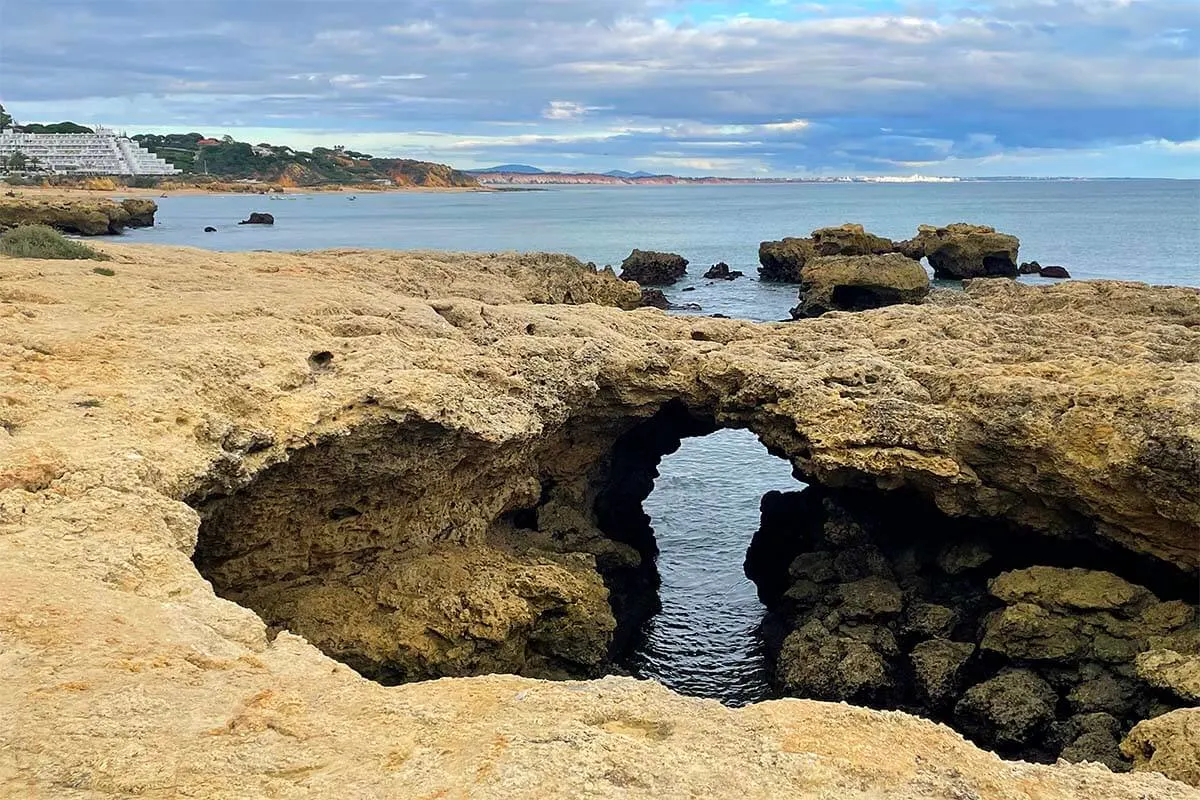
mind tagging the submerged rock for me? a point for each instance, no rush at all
(650, 268)
(858, 283)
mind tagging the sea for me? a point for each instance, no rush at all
(704, 506)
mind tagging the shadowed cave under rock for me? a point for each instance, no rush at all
(411, 551)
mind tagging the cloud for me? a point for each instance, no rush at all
(797, 88)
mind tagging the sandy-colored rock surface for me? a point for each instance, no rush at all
(87, 216)
(188, 374)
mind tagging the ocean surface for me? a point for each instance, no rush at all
(705, 503)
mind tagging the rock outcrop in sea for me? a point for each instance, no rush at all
(721, 272)
(962, 250)
(651, 268)
(84, 216)
(859, 282)
(217, 516)
(957, 251)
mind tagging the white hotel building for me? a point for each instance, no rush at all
(99, 153)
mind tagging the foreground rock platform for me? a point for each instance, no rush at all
(345, 420)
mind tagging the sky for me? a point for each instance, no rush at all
(1087, 88)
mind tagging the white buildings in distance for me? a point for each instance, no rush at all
(100, 153)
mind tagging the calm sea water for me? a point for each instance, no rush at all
(705, 503)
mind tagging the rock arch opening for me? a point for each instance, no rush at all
(410, 550)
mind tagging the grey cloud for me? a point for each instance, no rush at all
(975, 81)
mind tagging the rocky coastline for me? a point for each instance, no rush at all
(82, 216)
(220, 515)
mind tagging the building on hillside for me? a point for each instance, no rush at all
(99, 153)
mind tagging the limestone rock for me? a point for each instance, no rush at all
(962, 251)
(654, 298)
(650, 268)
(1169, 744)
(857, 283)
(849, 240)
(84, 216)
(815, 663)
(1014, 707)
(1053, 271)
(936, 664)
(460, 393)
(1175, 672)
(783, 260)
(1061, 589)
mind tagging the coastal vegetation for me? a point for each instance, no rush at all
(42, 241)
(226, 158)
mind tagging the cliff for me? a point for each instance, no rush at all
(403, 457)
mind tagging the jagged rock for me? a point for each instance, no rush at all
(1099, 748)
(654, 298)
(1027, 631)
(1014, 708)
(720, 271)
(141, 212)
(962, 556)
(1169, 744)
(83, 216)
(849, 240)
(818, 664)
(1105, 693)
(1175, 672)
(869, 598)
(782, 260)
(936, 664)
(857, 283)
(258, 218)
(1054, 271)
(1029, 268)
(650, 268)
(1073, 589)
(962, 251)
(929, 620)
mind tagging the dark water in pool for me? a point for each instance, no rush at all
(705, 504)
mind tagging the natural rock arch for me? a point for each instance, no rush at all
(1071, 409)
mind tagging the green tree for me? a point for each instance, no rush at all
(6, 119)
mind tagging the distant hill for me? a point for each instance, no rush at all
(620, 173)
(514, 169)
(233, 160)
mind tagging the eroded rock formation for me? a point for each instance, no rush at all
(83, 216)
(885, 602)
(963, 250)
(365, 436)
(857, 283)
